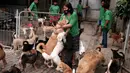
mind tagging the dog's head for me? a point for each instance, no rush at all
(61, 36)
(14, 69)
(62, 67)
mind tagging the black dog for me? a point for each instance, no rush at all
(117, 61)
(28, 58)
(13, 69)
(27, 46)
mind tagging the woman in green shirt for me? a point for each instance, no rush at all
(72, 45)
(54, 11)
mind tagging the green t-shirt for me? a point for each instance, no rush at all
(79, 8)
(54, 10)
(107, 16)
(102, 11)
(33, 7)
(73, 20)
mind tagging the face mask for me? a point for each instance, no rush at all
(65, 12)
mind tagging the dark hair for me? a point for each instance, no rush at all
(106, 6)
(102, 0)
(54, 0)
(69, 6)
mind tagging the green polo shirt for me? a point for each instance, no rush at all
(54, 9)
(107, 16)
(102, 11)
(73, 20)
(33, 7)
(79, 8)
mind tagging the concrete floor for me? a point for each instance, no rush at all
(89, 42)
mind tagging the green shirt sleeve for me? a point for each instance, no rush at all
(107, 16)
(73, 19)
(50, 9)
(31, 6)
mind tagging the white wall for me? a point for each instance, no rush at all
(94, 8)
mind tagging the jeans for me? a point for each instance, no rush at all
(104, 38)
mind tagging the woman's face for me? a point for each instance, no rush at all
(65, 8)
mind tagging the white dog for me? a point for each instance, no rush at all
(58, 48)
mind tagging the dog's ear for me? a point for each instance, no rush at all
(25, 42)
(98, 48)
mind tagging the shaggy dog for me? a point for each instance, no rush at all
(62, 67)
(90, 60)
(2, 55)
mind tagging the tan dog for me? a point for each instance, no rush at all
(90, 60)
(50, 45)
(62, 67)
(2, 55)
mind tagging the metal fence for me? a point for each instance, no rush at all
(24, 18)
(7, 23)
(7, 27)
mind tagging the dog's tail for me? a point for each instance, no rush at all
(40, 47)
(1, 47)
(98, 48)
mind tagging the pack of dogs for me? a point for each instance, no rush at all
(51, 47)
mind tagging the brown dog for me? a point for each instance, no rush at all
(90, 60)
(117, 37)
(51, 43)
(62, 67)
(2, 55)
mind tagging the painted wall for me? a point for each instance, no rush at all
(93, 11)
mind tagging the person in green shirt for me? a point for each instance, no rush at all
(33, 9)
(79, 12)
(102, 11)
(106, 24)
(72, 37)
(54, 12)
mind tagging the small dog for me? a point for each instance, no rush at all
(13, 69)
(116, 62)
(117, 37)
(28, 58)
(62, 67)
(2, 55)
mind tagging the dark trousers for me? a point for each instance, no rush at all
(71, 46)
(104, 37)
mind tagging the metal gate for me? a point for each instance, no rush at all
(23, 19)
(7, 27)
